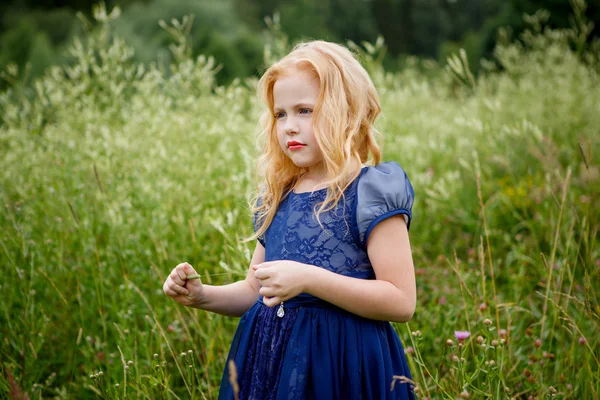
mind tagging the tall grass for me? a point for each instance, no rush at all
(111, 173)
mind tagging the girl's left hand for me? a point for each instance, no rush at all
(280, 280)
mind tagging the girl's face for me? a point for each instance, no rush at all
(295, 96)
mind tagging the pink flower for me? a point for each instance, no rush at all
(462, 335)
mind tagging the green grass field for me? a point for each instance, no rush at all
(112, 173)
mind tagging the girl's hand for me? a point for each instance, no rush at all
(280, 280)
(181, 289)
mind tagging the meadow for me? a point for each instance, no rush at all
(112, 173)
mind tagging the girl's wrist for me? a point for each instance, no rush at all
(308, 278)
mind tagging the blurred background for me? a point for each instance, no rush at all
(39, 32)
(127, 146)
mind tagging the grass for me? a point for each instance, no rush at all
(112, 173)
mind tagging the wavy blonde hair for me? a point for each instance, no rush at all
(343, 119)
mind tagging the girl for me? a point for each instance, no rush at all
(333, 262)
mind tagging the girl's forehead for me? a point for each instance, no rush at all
(296, 84)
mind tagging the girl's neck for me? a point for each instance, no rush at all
(312, 179)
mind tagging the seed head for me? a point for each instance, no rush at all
(155, 355)
(495, 343)
(449, 342)
(464, 394)
(487, 321)
(479, 339)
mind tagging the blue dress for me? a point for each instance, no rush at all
(317, 350)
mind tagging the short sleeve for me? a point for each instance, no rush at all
(382, 192)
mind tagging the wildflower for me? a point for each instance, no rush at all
(100, 373)
(449, 342)
(492, 363)
(155, 355)
(464, 394)
(183, 354)
(538, 342)
(482, 307)
(190, 352)
(487, 321)
(416, 333)
(479, 339)
(129, 362)
(455, 358)
(495, 343)
(116, 385)
(582, 341)
(409, 350)
(461, 335)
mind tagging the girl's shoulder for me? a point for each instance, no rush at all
(382, 191)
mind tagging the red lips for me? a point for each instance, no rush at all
(293, 145)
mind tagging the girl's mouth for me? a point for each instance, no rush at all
(293, 145)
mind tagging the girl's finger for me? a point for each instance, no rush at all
(176, 278)
(170, 293)
(262, 273)
(263, 265)
(179, 289)
(266, 291)
(184, 269)
(272, 302)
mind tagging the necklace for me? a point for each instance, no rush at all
(281, 311)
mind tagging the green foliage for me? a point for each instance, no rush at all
(112, 172)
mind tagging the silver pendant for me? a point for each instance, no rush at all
(281, 311)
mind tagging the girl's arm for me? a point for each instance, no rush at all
(390, 297)
(232, 300)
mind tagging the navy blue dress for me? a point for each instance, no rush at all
(317, 350)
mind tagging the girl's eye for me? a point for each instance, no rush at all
(304, 111)
(279, 115)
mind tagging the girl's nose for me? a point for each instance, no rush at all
(291, 127)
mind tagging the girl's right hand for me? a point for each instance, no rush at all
(179, 288)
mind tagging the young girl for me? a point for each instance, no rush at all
(333, 262)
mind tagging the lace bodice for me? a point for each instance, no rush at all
(339, 243)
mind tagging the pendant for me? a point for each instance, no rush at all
(281, 311)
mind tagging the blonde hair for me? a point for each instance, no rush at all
(343, 119)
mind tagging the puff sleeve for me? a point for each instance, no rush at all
(382, 192)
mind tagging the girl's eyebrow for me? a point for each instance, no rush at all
(299, 105)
